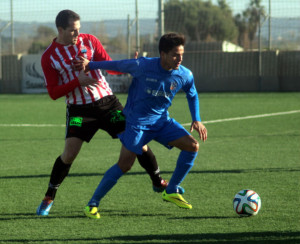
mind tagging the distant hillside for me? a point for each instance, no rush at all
(288, 28)
(112, 27)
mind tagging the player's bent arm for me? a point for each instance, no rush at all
(57, 91)
(85, 80)
(51, 79)
(194, 107)
(193, 101)
(62, 90)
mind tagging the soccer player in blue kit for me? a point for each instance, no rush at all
(154, 85)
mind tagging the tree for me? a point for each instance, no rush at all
(117, 44)
(241, 24)
(200, 21)
(99, 30)
(42, 39)
(44, 33)
(249, 21)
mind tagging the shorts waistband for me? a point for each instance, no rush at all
(93, 104)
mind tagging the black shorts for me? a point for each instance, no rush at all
(83, 121)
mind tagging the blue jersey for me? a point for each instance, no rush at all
(153, 89)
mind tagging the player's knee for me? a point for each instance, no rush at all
(125, 167)
(68, 156)
(194, 147)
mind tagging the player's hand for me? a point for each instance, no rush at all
(85, 80)
(77, 64)
(200, 128)
(81, 63)
(85, 63)
(136, 54)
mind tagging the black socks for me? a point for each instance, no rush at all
(148, 161)
(59, 172)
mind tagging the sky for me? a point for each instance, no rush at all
(97, 10)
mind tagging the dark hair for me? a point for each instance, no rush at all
(64, 16)
(168, 41)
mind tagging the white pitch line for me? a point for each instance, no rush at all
(187, 124)
(31, 125)
(247, 117)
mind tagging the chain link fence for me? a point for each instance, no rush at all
(225, 39)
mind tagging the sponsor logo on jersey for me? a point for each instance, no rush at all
(173, 86)
(157, 93)
(151, 79)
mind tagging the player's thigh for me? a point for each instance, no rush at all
(81, 122)
(111, 119)
(113, 123)
(186, 143)
(135, 138)
(71, 150)
(172, 134)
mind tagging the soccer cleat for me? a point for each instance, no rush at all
(177, 199)
(162, 187)
(44, 207)
(164, 184)
(180, 190)
(92, 212)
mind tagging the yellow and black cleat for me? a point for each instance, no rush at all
(177, 199)
(92, 212)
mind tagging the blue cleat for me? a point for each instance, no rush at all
(44, 207)
(180, 190)
(162, 187)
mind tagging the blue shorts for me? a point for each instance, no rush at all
(136, 136)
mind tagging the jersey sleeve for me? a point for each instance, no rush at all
(126, 66)
(192, 97)
(55, 90)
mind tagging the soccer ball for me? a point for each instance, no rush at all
(246, 203)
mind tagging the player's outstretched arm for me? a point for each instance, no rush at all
(200, 128)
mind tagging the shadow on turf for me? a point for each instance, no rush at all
(204, 217)
(233, 171)
(245, 238)
(75, 215)
(262, 237)
(33, 215)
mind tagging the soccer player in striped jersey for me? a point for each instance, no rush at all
(155, 83)
(91, 104)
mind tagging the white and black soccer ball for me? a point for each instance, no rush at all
(246, 203)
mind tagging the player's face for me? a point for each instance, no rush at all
(69, 36)
(172, 59)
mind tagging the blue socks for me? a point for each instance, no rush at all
(184, 163)
(109, 179)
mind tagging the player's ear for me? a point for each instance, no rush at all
(60, 30)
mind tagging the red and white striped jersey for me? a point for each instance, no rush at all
(61, 80)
